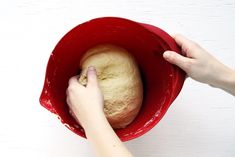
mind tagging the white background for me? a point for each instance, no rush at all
(200, 123)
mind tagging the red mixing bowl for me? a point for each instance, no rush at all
(162, 81)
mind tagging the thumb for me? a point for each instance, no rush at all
(177, 59)
(91, 77)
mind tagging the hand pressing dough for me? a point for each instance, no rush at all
(119, 80)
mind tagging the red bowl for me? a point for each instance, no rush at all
(162, 81)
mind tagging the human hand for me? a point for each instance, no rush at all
(86, 103)
(198, 63)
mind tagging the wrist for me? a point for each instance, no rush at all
(94, 120)
(226, 80)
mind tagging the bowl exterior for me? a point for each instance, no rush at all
(162, 81)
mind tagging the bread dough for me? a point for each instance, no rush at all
(119, 80)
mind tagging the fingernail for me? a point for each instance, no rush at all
(166, 54)
(91, 68)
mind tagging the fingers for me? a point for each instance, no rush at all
(189, 47)
(67, 99)
(74, 81)
(174, 58)
(73, 85)
(181, 40)
(91, 77)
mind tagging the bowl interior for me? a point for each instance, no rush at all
(158, 76)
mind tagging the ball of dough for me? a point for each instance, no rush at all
(119, 80)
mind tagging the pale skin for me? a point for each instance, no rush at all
(87, 102)
(87, 106)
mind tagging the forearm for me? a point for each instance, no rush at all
(229, 83)
(226, 80)
(86, 104)
(104, 139)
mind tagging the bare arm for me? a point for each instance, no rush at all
(87, 106)
(201, 66)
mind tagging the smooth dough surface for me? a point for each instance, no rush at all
(119, 80)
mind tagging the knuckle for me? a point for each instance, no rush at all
(68, 100)
(177, 36)
(71, 81)
(171, 57)
(188, 65)
(193, 46)
(70, 89)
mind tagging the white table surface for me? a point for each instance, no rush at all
(200, 123)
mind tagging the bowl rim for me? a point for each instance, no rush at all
(47, 102)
